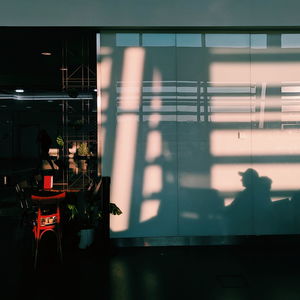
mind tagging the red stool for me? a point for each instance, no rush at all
(47, 218)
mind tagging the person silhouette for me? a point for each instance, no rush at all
(44, 141)
(250, 179)
(262, 207)
(240, 211)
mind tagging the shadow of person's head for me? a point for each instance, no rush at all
(249, 177)
(265, 183)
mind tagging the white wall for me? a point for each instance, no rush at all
(183, 114)
(154, 13)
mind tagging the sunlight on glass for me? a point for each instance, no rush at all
(149, 209)
(104, 101)
(230, 117)
(230, 72)
(152, 181)
(154, 145)
(228, 201)
(155, 104)
(126, 139)
(153, 119)
(275, 71)
(105, 50)
(157, 81)
(106, 68)
(263, 142)
(285, 176)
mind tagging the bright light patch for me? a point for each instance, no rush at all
(228, 201)
(275, 72)
(154, 120)
(154, 145)
(105, 68)
(232, 72)
(104, 101)
(155, 104)
(156, 82)
(258, 142)
(230, 117)
(152, 182)
(149, 209)
(105, 50)
(225, 178)
(126, 139)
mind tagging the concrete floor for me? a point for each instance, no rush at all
(266, 270)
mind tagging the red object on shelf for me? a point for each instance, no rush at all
(48, 182)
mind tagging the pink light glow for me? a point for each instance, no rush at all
(126, 138)
(149, 209)
(285, 176)
(152, 181)
(255, 142)
(105, 69)
(154, 145)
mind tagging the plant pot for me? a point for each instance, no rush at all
(86, 237)
(82, 164)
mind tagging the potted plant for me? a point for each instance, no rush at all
(88, 214)
(83, 150)
(60, 161)
(82, 153)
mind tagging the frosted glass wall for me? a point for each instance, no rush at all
(184, 115)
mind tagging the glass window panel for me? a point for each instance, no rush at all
(158, 39)
(258, 41)
(290, 40)
(188, 40)
(127, 39)
(227, 40)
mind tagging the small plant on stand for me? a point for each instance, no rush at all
(88, 214)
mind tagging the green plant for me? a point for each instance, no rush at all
(60, 141)
(91, 213)
(83, 149)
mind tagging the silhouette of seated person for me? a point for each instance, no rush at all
(45, 142)
(250, 212)
(263, 206)
(240, 211)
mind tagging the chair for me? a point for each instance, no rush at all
(48, 218)
(22, 196)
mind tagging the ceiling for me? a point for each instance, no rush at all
(22, 65)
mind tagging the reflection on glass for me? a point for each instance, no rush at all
(290, 40)
(158, 39)
(258, 41)
(227, 40)
(235, 107)
(188, 40)
(127, 39)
